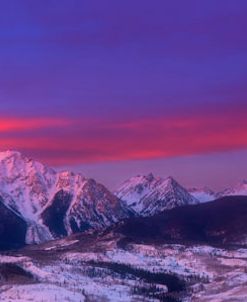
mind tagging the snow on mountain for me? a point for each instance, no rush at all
(239, 189)
(80, 204)
(203, 194)
(147, 195)
(54, 203)
(25, 185)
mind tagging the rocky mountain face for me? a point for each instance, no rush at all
(147, 195)
(54, 204)
(12, 228)
(89, 206)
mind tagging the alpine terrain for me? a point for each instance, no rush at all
(54, 204)
(147, 195)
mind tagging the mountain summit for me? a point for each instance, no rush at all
(240, 189)
(147, 195)
(54, 204)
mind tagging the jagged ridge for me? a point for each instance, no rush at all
(54, 203)
(147, 195)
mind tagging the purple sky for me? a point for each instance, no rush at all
(117, 88)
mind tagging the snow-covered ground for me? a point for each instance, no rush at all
(212, 274)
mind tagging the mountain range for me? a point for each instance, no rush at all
(147, 195)
(54, 204)
(42, 204)
(205, 194)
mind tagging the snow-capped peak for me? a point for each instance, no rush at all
(24, 183)
(148, 195)
(68, 200)
(203, 194)
(8, 154)
(239, 189)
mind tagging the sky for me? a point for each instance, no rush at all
(117, 88)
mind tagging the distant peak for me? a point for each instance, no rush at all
(9, 153)
(201, 189)
(150, 177)
(149, 181)
(66, 174)
(17, 160)
(170, 180)
(141, 178)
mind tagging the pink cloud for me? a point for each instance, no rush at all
(72, 142)
(21, 124)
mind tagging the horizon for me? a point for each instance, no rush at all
(127, 88)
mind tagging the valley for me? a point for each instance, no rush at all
(75, 269)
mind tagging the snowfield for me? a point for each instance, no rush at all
(211, 274)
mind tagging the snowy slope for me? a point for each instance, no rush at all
(147, 195)
(36, 192)
(239, 189)
(80, 204)
(215, 274)
(203, 194)
(25, 184)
